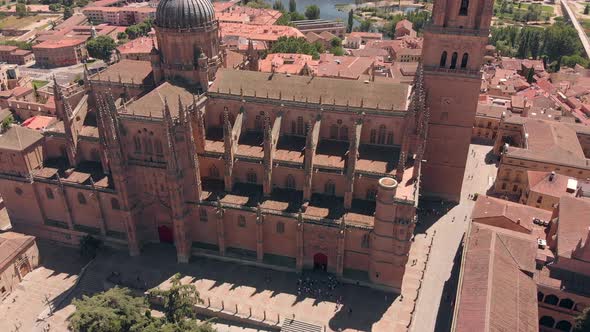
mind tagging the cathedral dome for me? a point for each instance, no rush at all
(184, 14)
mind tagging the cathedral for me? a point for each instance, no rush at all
(296, 172)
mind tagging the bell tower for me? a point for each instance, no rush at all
(454, 46)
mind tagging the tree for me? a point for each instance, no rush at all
(366, 26)
(292, 6)
(336, 42)
(259, 4)
(297, 45)
(530, 73)
(278, 5)
(89, 246)
(178, 301)
(582, 323)
(21, 10)
(312, 12)
(115, 310)
(587, 9)
(350, 21)
(101, 47)
(338, 50)
(6, 123)
(122, 35)
(55, 7)
(68, 12)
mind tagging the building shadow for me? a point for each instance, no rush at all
(446, 308)
(429, 212)
(360, 307)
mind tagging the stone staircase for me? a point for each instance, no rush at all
(291, 325)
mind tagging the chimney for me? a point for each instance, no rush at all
(552, 176)
(518, 221)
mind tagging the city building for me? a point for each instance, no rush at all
(278, 169)
(118, 15)
(14, 55)
(136, 49)
(529, 143)
(18, 256)
(404, 28)
(336, 28)
(59, 53)
(544, 189)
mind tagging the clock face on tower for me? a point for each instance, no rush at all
(446, 101)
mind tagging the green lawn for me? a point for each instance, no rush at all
(586, 25)
(39, 84)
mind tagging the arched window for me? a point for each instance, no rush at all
(203, 215)
(365, 241)
(241, 221)
(290, 182)
(551, 299)
(158, 146)
(137, 142)
(382, 130)
(453, 61)
(373, 136)
(371, 194)
(563, 325)
(390, 138)
(334, 131)
(81, 198)
(344, 133)
(443, 59)
(213, 172)
(330, 188)
(280, 227)
(115, 204)
(547, 321)
(566, 303)
(147, 145)
(251, 177)
(464, 7)
(49, 193)
(464, 60)
(540, 296)
(300, 126)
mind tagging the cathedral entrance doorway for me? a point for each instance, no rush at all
(320, 262)
(165, 234)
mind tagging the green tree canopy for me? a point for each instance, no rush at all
(587, 9)
(278, 5)
(68, 12)
(350, 21)
(179, 300)
(115, 310)
(366, 26)
(21, 10)
(292, 6)
(101, 47)
(297, 45)
(312, 12)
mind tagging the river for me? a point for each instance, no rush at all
(328, 10)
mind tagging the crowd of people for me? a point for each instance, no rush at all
(318, 288)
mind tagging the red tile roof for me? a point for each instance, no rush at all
(494, 293)
(66, 42)
(517, 214)
(573, 225)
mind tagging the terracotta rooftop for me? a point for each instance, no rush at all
(490, 110)
(59, 43)
(268, 33)
(152, 104)
(327, 91)
(366, 35)
(349, 67)
(19, 138)
(139, 45)
(514, 213)
(138, 72)
(38, 122)
(549, 141)
(11, 244)
(573, 225)
(404, 24)
(545, 183)
(494, 293)
(286, 63)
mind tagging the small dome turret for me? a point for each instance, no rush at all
(184, 14)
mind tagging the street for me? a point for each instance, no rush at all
(449, 228)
